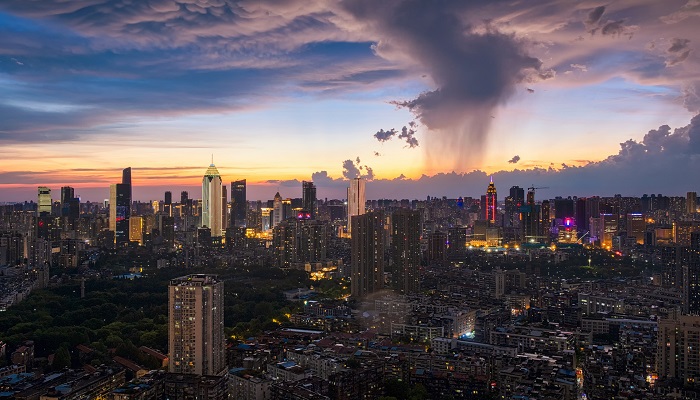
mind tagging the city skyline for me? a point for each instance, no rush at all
(585, 98)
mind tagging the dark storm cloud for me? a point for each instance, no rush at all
(678, 52)
(514, 160)
(407, 134)
(474, 67)
(594, 15)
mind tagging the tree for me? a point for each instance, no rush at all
(61, 359)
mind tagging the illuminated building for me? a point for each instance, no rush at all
(546, 221)
(356, 199)
(405, 249)
(211, 201)
(563, 208)
(196, 325)
(120, 212)
(456, 242)
(367, 253)
(308, 198)
(530, 218)
(682, 231)
(491, 199)
(300, 241)
(44, 201)
(678, 342)
(568, 231)
(691, 202)
(136, 229)
(636, 227)
(224, 208)
(238, 203)
(277, 210)
(513, 203)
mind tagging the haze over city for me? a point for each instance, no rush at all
(422, 98)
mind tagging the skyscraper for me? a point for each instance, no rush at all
(367, 253)
(196, 325)
(491, 201)
(277, 210)
(185, 205)
(168, 204)
(67, 194)
(308, 198)
(44, 201)
(224, 208)
(238, 203)
(356, 199)
(211, 200)
(405, 249)
(120, 212)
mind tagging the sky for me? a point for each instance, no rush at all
(422, 98)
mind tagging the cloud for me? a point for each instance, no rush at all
(383, 135)
(690, 9)
(354, 169)
(407, 134)
(514, 160)
(678, 52)
(474, 67)
(594, 15)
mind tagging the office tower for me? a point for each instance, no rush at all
(530, 216)
(356, 199)
(239, 205)
(196, 325)
(513, 202)
(308, 198)
(490, 203)
(136, 229)
(211, 200)
(185, 205)
(691, 202)
(581, 218)
(367, 253)
(405, 249)
(168, 204)
(636, 227)
(44, 201)
(277, 210)
(224, 208)
(678, 342)
(126, 180)
(120, 212)
(67, 194)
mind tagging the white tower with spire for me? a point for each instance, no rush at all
(211, 200)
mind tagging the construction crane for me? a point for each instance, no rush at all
(532, 188)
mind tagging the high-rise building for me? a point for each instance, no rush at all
(691, 202)
(678, 342)
(513, 202)
(356, 199)
(168, 204)
(636, 227)
(120, 212)
(224, 208)
(126, 180)
(308, 198)
(490, 203)
(530, 217)
(239, 206)
(67, 194)
(277, 210)
(136, 229)
(405, 249)
(211, 201)
(367, 253)
(691, 276)
(44, 201)
(185, 203)
(196, 325)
